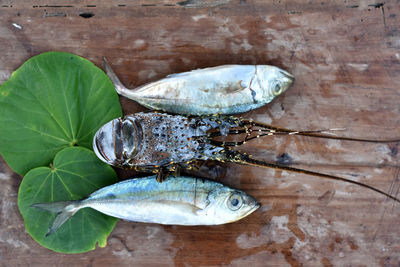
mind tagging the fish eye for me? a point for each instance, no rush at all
(235, 201)
(277, 89)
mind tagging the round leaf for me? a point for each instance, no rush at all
(75, 174)
(54, 100)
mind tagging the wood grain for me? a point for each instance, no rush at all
(345, 56)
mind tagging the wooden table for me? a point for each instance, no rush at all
(345, 56)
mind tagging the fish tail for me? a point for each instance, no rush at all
(119, 87)
(64, 210)
(242, 158)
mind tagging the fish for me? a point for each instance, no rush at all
(226, 89)
(177, 201)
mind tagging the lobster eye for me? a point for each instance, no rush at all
(235, 201)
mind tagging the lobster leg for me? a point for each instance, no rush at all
(161, 175)
(153, 169)
(161, 172)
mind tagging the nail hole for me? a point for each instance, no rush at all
(86, 15)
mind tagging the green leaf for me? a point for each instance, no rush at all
(53, 101)
(76, 173)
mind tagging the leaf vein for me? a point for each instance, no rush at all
(65, 186)
(80, 176)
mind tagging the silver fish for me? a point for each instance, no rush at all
(227, 89)
(176, 201)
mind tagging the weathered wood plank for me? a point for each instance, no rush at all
(346, 59)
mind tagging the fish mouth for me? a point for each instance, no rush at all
(251, 210)
(287, 75)
(255, 207)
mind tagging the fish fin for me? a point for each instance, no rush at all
(64, 210)
(119, 87)
(192, 208)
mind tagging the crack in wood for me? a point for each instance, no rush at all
(202, 3)
(291, 12)
(186, 3)
(55, 14)
(377, 5)
(380, 5)
(352, 6)
(53, 6)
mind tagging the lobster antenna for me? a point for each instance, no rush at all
(261, 133)
(238, 157)
(317, 134)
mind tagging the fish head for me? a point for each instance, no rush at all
(273, 81)
(230, 205)
(117, 141)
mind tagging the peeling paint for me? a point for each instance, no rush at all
(152, 231)
(199, 17)
(19, 27)
(122, 253)
(385, 153)
(141, 241)
(236, 48)
(14, 243)
(186, 61)
(283, 185)
(4, 176)
(334, 144)
(139, 43)
(147, 74)
(280, 221)
(359, 67)
(276, 231)
(4, 76)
